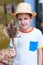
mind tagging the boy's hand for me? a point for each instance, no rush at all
(12, 52)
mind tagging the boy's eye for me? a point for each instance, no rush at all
(19, 19)
(25, 18)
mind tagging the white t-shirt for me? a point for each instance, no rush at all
(26, 46)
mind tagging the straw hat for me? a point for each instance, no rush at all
(24, 8)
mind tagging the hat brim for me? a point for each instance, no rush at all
(32, 13)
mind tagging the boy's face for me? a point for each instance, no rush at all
(24, 21)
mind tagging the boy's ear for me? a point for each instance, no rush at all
(31, 18)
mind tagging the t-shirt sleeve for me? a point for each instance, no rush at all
(10, 45)
(40, 40)
(15, 42)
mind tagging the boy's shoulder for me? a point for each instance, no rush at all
(37, 30)
(34, 31)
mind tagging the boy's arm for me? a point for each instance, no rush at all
(40, 56)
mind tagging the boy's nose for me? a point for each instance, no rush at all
(23, 21)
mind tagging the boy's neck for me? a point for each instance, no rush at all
(28, 30)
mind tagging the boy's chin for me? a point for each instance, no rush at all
(24, 28)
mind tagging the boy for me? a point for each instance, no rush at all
(29, 38)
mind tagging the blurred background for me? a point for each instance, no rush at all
(8, 6)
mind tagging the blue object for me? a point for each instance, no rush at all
(33, 46)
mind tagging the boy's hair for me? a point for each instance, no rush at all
(25, 13)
